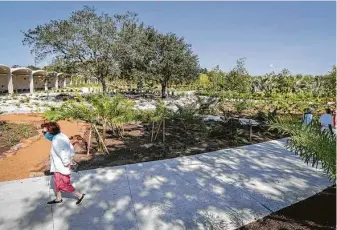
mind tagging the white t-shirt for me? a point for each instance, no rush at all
(325, 120)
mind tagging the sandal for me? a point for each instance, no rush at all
(80, 199)
(55, 201)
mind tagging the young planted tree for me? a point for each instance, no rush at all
(86, 38)
(120, 112)
(158, 119)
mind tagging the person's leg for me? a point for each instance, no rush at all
(68, 187)
(57, 190)
(58, 195)
(77, 194)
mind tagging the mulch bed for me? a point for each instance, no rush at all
(136, 146)
(316, 212)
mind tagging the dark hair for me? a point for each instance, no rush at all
(328, 110)
(52, 127)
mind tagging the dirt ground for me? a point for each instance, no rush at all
(19, 165)
(316, 212)
(136, 145)
(181, 139)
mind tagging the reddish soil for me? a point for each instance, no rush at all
(316, 212)
(19, 165)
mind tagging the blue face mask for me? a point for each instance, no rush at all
(49, 136)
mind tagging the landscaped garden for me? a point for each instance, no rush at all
(140, 95)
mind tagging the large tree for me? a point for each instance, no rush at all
(172, 60)
(85, 38)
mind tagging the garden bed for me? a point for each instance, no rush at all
(136, 145)
(12, 134)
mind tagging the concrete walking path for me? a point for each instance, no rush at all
(227, 189)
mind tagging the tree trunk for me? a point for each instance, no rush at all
(152, 130)
(100, 138)
(164, 131)
(163, 89)
(104, 130)
(103, 84)
(89, 141)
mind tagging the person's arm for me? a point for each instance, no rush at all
(61, 148)
(330, 128)
(320, 121)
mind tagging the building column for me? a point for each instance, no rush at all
(10, 86)
(45, 84)
(31, 83)
(56, 81)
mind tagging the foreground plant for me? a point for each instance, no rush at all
(312, 145)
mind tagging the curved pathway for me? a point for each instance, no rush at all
(19, 165)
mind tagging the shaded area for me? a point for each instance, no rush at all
(219, 190)
(136, 145)
(316, 212)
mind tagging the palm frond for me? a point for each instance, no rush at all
(310, 143)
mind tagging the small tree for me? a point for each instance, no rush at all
(159, 117)
(238, 78)
(120, 112)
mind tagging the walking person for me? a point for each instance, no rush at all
(307, 116)
(61, 154)
(334, 121)
(326, 121)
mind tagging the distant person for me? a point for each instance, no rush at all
(334, 121)
(326, 121)
(61, 155)
(307, 116)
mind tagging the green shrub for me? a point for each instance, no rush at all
(312, 145)
(144, 115)
(187, 118)
(241, 106)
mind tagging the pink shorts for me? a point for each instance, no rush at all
(62, 183)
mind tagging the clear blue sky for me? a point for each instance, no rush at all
(300, 36)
